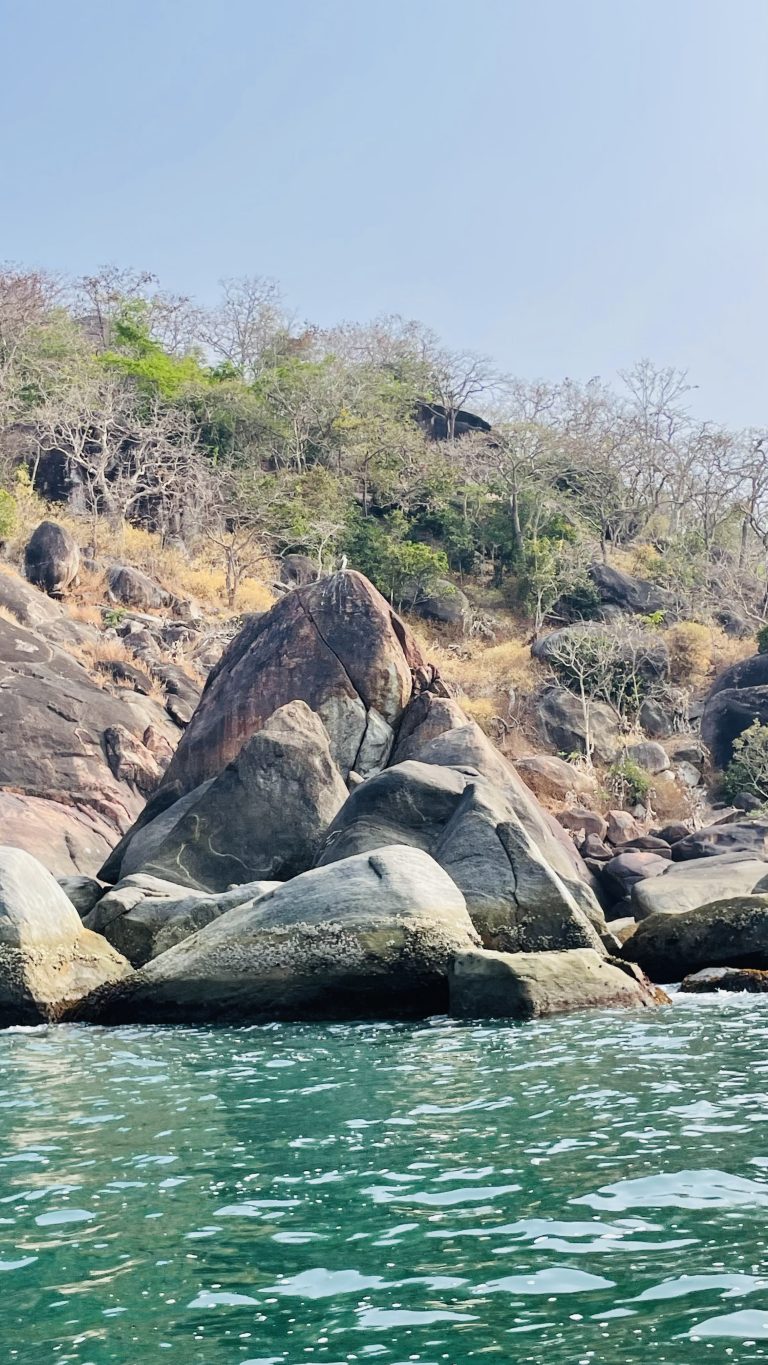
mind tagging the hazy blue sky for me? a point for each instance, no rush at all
(565, 184)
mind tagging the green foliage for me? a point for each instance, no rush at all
(8, 514)
(403, 570)
(138, 356)
(748, 769)
(629, 782)
(113, 617)
(762, 640)
(654, 620)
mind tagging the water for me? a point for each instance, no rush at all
(592, 1189)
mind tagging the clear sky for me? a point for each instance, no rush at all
(567, 185)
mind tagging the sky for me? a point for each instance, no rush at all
(564, 185)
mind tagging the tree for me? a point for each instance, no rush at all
(249, 327)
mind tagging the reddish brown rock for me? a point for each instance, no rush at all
(336, 645)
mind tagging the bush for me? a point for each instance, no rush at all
(690, 652)
(748, 769)
(8, 514)
(762, 640)
(628, 782)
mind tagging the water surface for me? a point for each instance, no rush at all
(585, 1190)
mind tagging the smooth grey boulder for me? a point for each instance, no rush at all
(48, 960)
(654, 720)
(83, 892)
(636, 595)
(561, 722)
(743, 836)
(514, 897)
(629, 869)
(373, 936)
(469, 750)
(265, 816)
(684, 886)
(487, 985)
(133, 588)
(143, 916)
(731, 932)
(649, 755)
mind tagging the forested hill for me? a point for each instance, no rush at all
(239, 428)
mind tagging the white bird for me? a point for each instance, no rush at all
(343, 563)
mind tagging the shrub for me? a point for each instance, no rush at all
(748, 769)
(690, 652)
(8, 514)
(628, 782)
(762, 640)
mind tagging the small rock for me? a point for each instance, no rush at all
(622, 827)
(649, 755)
(726, 979)
(688, 774)
(593, 847)
(673, 833)
(583, 822)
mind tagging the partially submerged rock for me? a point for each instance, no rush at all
(732, 932)
(531, 985)
(48, 961)
(735, 979)
(373, 936)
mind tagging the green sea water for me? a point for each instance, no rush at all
(585, 1190)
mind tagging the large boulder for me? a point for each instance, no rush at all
(553, 779)
(468, 749)
(335, 644)
(727, 713)
(132, 588)
(373, 936)
(636, 595)
(515, 899)
(444, 603)
(743, 836)
(52, 558)
(265, 816)
(143, 916)
(424, 718)
(629, 869)
(649, 755)
(684, 886)
(642, 650)
(48, 961)
(732, 932)
(738, 979)
(59, 797)
(531, 985)
(562, 724)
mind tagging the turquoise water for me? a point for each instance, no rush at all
(591, 1189)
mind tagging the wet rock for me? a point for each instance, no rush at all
(732, 932)
(373, 936)
(739, 979)
(533, 985)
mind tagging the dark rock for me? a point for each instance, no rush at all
(265, 816)
(626, 869)
(445, 603)
(122, 672)
(725, 933)
(622, 828)
(725, 979)
(179, 710)
(561, 721)
(133, 588)
(488, 985)
(742, 836)
(636, 595)
(52, 558)
(593, 847)
(733, 624)
(673, 833)
(338, 646)
(131, 761)
(727, 713)
(688, 751)
(654, 720)
(298, 570)
(83, 892)
(651, 843)
(373, 936)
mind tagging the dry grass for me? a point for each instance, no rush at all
(697, 652)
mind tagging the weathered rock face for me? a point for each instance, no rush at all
(629, 869)
(143, 916)
(743, 836)
(515, 900)
(52, 558)
(335, 644)
(426, 717)
(649, 755)
(265, 816)
(83, 892)
(553, 778)
(561, 722)
(445, 603)
(727, 713)
(684, 886)
(737, 979)
(62, 801)
(298, 570)
(133, 588)
(636, 595)
(531, 985)
(655, 721)
(726, 933)
(48, 961)
(468, 749)
(373, 936)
